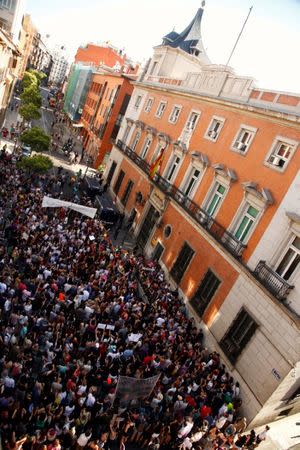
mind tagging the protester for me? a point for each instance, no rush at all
(61, 283)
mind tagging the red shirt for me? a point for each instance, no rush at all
(205, 411)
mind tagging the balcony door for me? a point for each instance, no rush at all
(147, 227)
(111, 172)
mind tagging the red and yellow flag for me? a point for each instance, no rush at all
(154, 168)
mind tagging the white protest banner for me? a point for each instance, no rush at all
(103, 326)
(49, 202)
(134, 337)
(129, 388)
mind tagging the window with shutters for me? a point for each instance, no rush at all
(126, 134)
(214, 128)
(138, 101)
(161, 109)
(127, 192)
(238, 335)
(135, 141)
(183, 260)
(205, 292)
(149, 104)
(243, 139)
(290, 261)
(191, 182)
(215, 199)
(281, 153)
(146, 146)
(7, 4)
(173, 168)
(175, 114)
(246, 222)
(119, 182)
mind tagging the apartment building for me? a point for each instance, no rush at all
(59, 68)
(9, 55)
(104, 54)
(208, 166)
(103, 112)
(11, 13)
(76, 91)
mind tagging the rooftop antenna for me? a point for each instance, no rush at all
(238, 38)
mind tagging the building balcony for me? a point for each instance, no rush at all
(224, 237)
(273, 282)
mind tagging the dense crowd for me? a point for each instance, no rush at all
(60, 281)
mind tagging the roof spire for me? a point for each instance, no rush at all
(190, 39)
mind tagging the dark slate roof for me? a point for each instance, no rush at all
(189, 39)
(171, 36)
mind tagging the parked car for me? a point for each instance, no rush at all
(26, 150)
(107, 211)
(92, 187)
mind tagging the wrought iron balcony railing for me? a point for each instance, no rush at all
(273, 282)
(224, 237)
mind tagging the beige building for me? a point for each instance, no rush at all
(27, 33)
(9, 55)
(11, 12)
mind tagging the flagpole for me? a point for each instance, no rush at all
(239, 36)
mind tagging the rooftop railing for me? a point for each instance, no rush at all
(272, 281)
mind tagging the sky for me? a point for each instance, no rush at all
(268, 49)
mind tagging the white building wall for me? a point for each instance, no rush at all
(272, 352)
(174, 63)
(274, 240)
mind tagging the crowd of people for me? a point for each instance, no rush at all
(61, 283)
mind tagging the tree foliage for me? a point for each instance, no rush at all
(38, 75)
(36, 138)
(32, 95)
(28, 79)
(36, 164)
(29, 111)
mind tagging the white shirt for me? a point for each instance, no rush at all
(9, 382)
(184, 431)
(3, 287)
(47, 273)
(160, 321)
(83, 439)
(90, 401)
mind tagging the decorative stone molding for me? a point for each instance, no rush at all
(139, 124)
(179, 146)
(228, 174)
(198, 156)
(294, 217)
(151, 130)
(164, 137)
(264, 196)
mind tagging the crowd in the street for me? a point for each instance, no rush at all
(60, 281)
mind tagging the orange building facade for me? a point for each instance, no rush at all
(221, 213)
(103, 112)
(106, 56)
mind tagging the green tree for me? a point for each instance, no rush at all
(29, 111)
(38, 75)
(36, 138)
(28, 79)
(35, 163)
(32, 95)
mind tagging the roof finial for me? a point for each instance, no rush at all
(203, 4)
